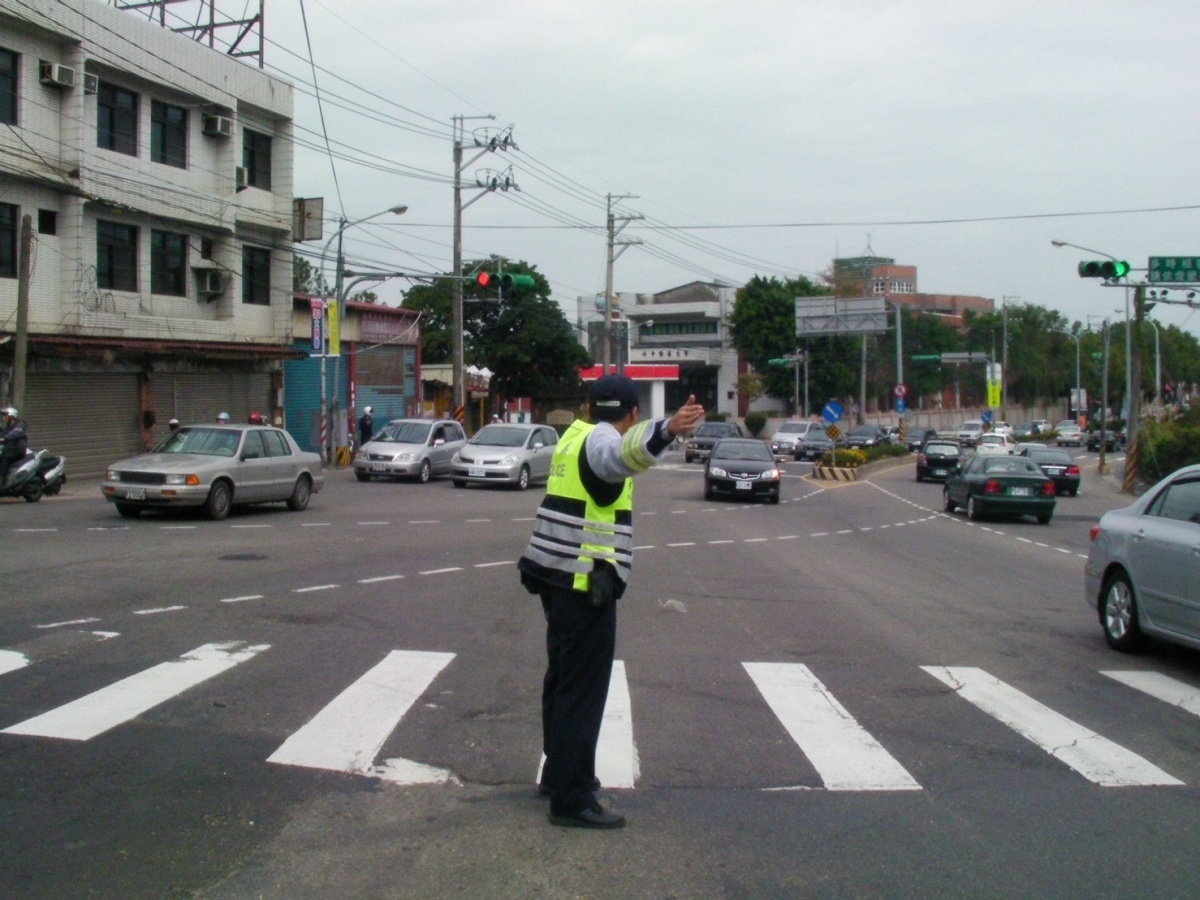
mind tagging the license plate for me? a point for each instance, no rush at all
(135, 493)
(476, 473)
(378, 467)
(939, 471)
(1020, 491)
(744, 486)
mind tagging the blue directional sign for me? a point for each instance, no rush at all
(900, 405)
(832, 411)
(986, 417)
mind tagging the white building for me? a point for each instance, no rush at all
(156, 175)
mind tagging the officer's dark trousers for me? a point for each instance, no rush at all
(580, 643)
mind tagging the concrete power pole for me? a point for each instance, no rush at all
(21, 342)
(611, 220)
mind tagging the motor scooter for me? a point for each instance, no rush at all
(36, 475)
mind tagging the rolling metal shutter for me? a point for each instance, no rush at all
(387, 382)
(197, 397)
(92, 419)
(302, 396)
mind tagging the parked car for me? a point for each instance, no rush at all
(996, 443)
(1069, 433)
(706, 435)
(969, 432)
(1113, 440)
(915, 437)
(789, 435)
(1001, 427)
(1143, 572)
(410, 448)
(517, 455)
(892, 434)
(862, 436)
(744, 467)
(938, 459)
(816, 444)
(1042, 425)
(215, 467)
(1058, 466)
(1000, 485)
(1025, 430)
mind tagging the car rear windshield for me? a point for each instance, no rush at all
(941, 449)
(404, 432)
(501, 436)
(1011, 465)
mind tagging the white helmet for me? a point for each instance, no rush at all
(367, 410)
(10, 411)
(224, 417)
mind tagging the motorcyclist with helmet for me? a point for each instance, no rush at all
(16, 440)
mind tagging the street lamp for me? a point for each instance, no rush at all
(340, 300)
(1078, 391)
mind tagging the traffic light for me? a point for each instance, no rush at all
(505, 281)
(1103, 268)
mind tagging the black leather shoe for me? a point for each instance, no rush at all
(546, 790)
(593, 817)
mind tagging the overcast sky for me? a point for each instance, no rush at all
(766, 136)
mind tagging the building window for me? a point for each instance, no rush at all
(116, 256)
(168, 263)
(256, 159)
(8, 87)
(206, 248)
(47, 221)
(256, 276)
(8, 240)
(116, 119)
(168, 134)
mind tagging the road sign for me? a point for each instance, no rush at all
(900, 390)
(834, 432)
(927, 357)
(986, 417)
(832, 411)
(1174, 269)
(900, 407)
(965, 357)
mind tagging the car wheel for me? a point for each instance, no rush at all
(128, 510)
(775, 499)
(425, 471)
(1044, 518)
(33, 490)
(1119, 615)
(459, 483)
(300, 494)
(973, 511)
(947, 504)
(687, 457)
(362, 476)
(523, 478)
(709, 493)
(220, 501)
(919, 478)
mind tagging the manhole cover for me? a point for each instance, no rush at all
(244, 557)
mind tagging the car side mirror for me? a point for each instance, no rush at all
(538, 445)
(437, 442)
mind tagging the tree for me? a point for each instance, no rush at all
(308, 279)
(763, 324)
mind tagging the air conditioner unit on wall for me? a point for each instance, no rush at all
(210, 283)
(91, 83)
(53, 73)
(218, 126)
(241, 178)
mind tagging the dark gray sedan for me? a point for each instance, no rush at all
(216, 467)
(742, 467)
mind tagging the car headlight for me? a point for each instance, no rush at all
(404, 457)
(771, 475)
(176, 479)
(509, 460)
(112, 475)
(718, 471)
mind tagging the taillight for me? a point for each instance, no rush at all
(992, 486)
(1047, 488)
(1094, 532)
(921, 460)
(1072, 470)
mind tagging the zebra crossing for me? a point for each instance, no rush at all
(347, 733)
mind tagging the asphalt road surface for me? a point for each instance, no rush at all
(851, 694)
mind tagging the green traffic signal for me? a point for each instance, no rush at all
(1106, 268)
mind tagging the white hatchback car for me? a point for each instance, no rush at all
(996, 444)
(517, 455)
(410, 448)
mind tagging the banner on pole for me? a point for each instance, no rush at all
(318, 329)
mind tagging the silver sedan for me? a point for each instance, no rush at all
(216, 467)
(517, 455)
(1143, 569)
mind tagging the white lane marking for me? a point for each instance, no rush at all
(11, 660)
(315, 524)
(348, 732)
(424, 521)
(33, 530)
(441, 571)
(819, 534)
(372, 523)
(723, 542)
(488, 565)
(96, 713)
(683, 544)
(178, 527)
(258, 525)
(108, 528)
(156, 610)
(617, 761)
(845, 531)
(68, 622)
(315, 587)
(524, 519)
(755, 540)
(1095, 758)
(787, 537)
(242, 599)
(844, 754)
(645, 547)
(379, 578)
(1161, 687)
(477, 521)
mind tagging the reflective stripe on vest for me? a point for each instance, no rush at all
(571, 531)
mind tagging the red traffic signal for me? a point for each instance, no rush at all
(483, 279)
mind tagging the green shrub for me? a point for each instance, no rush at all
(1167, 446)
(755, 423)
(714, 416)
(844, 459)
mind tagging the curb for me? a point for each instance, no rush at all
(860, 473)
(831, 473)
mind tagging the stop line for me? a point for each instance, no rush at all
(348, 732)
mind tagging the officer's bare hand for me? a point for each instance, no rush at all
(686, 417)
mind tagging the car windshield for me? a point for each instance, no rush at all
(792, 428)
(500, 436)
(204, 441)
(742, 450)
(404, 433)
(816, 434)
(714, 430)
(864, 429)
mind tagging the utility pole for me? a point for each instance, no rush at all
(1004, 359)
(21, 344)
(1103, 469)
(1132, 449)
(613, 231)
